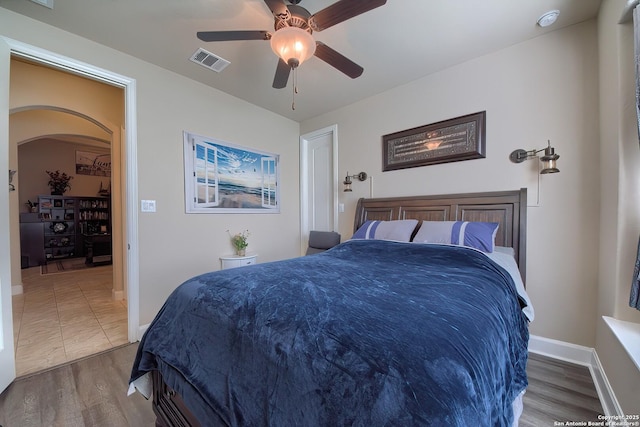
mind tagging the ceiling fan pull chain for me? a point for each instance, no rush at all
(295, 89)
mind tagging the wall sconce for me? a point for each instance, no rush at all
(11, 186)
(548, 160)
(362, 176)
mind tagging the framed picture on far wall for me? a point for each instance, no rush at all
(461, 138)
(226, 178)
(96, 164)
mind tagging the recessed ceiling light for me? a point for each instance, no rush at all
(548, 18)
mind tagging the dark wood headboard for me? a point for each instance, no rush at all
(509, 208)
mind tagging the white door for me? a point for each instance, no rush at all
(318, 182)
(7, 354)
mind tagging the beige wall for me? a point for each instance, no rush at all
(174, 246)
(620, 194)
(542, 89)
(36, 157)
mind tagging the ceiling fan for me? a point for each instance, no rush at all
(292, 40)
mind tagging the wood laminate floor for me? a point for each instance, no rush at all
(558, 391)
(92, 392)
(87, 392)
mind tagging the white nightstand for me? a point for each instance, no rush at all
(233, 261)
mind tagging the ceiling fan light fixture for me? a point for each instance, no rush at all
(293, 45)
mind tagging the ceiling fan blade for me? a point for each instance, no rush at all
(278, 8)
(341, 11)
(222, 36)
(282, 75)
(338, 61)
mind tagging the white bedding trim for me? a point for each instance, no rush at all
(508, 262)
(142, 385)
(518, 407)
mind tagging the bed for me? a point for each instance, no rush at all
(371, 332)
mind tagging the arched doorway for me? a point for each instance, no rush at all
(59, 319)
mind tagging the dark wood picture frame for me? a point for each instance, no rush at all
(461, 138)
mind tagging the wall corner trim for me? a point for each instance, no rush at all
(580, 355)
(142, 329)
(628, 333)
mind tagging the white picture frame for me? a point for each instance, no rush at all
(226, 178)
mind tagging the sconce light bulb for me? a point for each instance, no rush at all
(549, 160)
(347, 183)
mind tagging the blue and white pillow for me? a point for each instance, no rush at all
(399, 230)
(479, 235)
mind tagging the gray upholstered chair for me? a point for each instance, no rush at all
(320, 241)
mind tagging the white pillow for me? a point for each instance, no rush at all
(478, 235)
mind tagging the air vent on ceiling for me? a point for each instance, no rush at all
(209, 60)
(45, 3)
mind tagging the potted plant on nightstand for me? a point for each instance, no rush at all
(240, 242)
(59, 182)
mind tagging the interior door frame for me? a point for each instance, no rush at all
(129, 173)
(7, 350)
(305, 141)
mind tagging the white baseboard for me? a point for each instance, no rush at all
(117, 295)
(580, 355)
(568, 352)
(17, 289)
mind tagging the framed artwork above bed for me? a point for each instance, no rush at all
(461, 138)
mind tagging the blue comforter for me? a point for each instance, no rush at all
(369, 333)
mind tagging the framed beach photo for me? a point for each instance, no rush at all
(226, 178)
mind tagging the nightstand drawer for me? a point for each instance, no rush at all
(234, 261)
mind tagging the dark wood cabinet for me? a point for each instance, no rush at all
(68, 222)
(97, 249)
(58, 215)
(31, 240)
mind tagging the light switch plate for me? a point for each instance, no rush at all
(148, 205)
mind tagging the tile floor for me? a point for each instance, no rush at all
(65, 316)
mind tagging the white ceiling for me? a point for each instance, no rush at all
(399, 42)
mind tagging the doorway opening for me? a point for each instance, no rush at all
(318, 182)
(123, 190)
